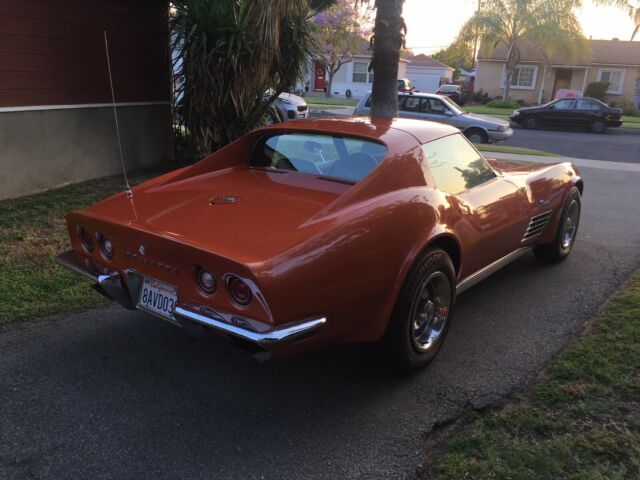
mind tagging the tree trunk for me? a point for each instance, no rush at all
(388, 39)
(328, 84)
(508, 73)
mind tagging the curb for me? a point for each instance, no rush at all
(580, 162)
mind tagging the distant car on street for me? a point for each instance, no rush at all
(452, 91)
(405, 85)
(584, 112)
(429, 106)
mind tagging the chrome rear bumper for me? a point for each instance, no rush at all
(110, 284)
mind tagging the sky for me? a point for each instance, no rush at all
(433, 24)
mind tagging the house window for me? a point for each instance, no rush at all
(615, 79)
(524, 77)
(361, 73)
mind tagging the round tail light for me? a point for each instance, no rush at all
(240, 291)
(85, 239)
(206, 280)
(106, 247)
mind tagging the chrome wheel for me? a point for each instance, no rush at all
(430, 311)
(570, 226)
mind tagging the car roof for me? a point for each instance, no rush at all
(370, 127)
(420, 94)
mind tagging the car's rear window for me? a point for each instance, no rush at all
(344, 158)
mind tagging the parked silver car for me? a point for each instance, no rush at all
(291, 107)
(428, 106)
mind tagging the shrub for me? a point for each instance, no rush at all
(628, 108)
(480, 97)
(597, 90)
(501, 103)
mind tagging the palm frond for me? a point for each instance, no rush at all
(231, 52)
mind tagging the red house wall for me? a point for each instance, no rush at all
(52, 51)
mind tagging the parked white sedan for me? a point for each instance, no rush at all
(437, 108)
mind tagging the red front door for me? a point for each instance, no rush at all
(320, 73)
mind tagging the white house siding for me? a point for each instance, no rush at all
(343, 79)
(427, 79)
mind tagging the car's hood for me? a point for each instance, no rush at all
(528, 109)
(241, 213)
(477, 117)
(293, 99)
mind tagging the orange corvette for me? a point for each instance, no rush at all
(321, 232)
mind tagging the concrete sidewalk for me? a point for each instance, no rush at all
(579, 162)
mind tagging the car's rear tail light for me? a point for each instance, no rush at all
(85, 239)
(106, 247)
(206, 281)
(240, 291)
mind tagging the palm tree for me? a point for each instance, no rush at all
(549, 25)
(388, 38)
(230, 53)
(634, 13)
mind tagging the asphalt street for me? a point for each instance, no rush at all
(111, 394)
(614, 145)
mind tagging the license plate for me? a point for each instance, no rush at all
(158, 298)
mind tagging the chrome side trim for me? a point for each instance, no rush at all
(483, 273)
(280, 334)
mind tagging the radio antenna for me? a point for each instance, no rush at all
(128, 191)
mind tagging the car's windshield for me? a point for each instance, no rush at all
(453, 106)
(334, 156)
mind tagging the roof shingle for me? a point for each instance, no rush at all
(604, 52)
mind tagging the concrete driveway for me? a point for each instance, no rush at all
(115, 394)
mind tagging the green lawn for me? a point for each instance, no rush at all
(32, 233)
(510, 149)
(322, 106)
(581, 419)
(500, 112)
(344, 102)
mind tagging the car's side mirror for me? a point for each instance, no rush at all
(448, 113)
(313, 147)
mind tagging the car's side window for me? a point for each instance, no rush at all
(410, 104)
(425, 106)
(584, 104)
(455, 165)
(564, 104)
(437, 106)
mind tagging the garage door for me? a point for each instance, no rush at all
(425, 82)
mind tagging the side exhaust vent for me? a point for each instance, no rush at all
(537, 225)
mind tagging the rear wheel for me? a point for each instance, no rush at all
(531, 122)
(598, 126)
(476, 135)
(565, 237)
(423, 311)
